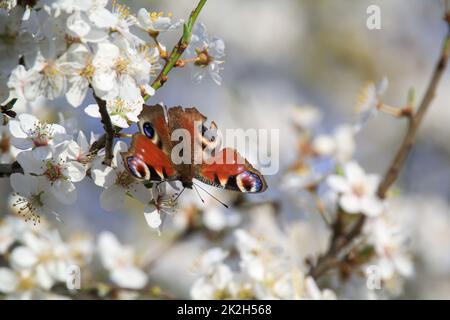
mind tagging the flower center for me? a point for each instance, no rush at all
(124, 179)
(359, 190)
(50, 69)
(41, 135)
(116, 106)
(26, 282)
(27, 207)
(53, 172)
(88, 71)
(203, 57)
(165, 204)
(121, 65)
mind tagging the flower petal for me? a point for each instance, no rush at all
(92, 110)
(350, 203)
(16, 129)
(23, 258)
(8, 280)
(152, 216)
(112, 198)
(338, 183)
(76, 171)
(130, 278)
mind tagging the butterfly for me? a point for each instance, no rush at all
(149, 157)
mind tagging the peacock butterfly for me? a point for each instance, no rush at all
(149, 157)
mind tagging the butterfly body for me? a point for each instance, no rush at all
(155, 153)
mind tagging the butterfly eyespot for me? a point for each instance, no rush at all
(149, 131)
(249, 182)
(138, 168)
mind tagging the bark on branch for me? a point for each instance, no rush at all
(109, 130)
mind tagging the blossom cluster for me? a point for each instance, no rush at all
(36, 262)
(63, 48)
(265, 272)
(66, 49)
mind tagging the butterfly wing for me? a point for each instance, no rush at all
(152, 124)
(147, 162)
(229, 170)
(148, 158)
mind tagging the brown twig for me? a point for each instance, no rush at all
(416, 119)
(8, 169)
(98, 144)
(341, 238)
(109, 130)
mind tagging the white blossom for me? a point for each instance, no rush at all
(120, 261)
(156, 21)
(121, 111)
(46, 77)
(390, 246)
(10, 230)
(80, 150)
(217, 278)
(30, 133)
(117, 182)
(306, 117)
(161, 205)
(357, 190)
(209, 51)
(79, 71)
(33, 197)
(60, 170)
(368, 101)
(15, 41)
(46, 254)
(340, 145)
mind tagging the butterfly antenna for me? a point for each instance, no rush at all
(198, 193)
(176, 198)
(225, 205)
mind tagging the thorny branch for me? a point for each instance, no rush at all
(341, 238)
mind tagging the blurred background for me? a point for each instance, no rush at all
(286, 53)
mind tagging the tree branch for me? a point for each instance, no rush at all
(179, 48)
(109, 130)
(8, 169)
(394, 169)
(341, 239)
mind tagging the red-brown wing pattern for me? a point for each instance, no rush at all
(189, 119)
(152, 124)
(147, 162)
(229, 170)
(148, 158)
